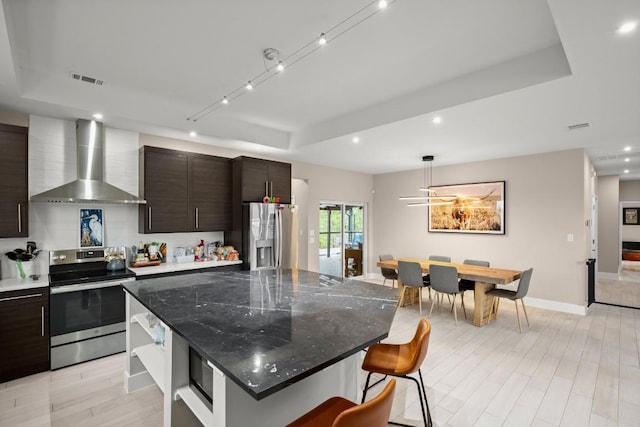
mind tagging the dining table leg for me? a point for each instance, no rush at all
(484, 310)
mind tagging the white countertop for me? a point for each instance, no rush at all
(172, 267)
(14, 284)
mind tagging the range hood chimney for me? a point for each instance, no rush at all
(90, 186)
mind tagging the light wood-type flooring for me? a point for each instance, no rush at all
(625, 290)
(563, 370)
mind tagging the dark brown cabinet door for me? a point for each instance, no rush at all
(14, 207)
(24, 333)
(259, 178)
(209, 193)
(280, 181)
(164, 175)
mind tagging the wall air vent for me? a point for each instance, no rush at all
(82, 78)
(579, 126)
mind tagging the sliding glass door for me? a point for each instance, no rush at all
(341, 239)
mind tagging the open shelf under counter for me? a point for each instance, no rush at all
(197, 403)
(152, 357)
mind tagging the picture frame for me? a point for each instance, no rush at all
(630, 216)
(91, 228)
(476, 208)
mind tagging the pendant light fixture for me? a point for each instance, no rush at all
(430, 198)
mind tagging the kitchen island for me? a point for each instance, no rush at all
(278, 341)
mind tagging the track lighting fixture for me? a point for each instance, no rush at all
(275, 64)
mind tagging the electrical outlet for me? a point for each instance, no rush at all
(569, 237)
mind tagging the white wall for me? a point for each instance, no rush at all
(544, 203)
(608, 224)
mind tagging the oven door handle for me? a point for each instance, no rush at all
(65, 289)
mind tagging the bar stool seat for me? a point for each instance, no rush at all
(400, 360)
(341, 412)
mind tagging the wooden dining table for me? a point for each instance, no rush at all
(485, 278)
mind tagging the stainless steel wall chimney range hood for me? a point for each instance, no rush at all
(90, 186)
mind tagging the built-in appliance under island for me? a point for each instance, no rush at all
(276, 342)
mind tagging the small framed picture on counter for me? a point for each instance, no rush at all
(630, 216)
(91, 228)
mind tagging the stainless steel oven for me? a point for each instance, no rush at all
(87, 306)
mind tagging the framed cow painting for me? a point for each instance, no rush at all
(468, 208)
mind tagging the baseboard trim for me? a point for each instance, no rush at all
(556, 306)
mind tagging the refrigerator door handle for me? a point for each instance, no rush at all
(278, 238)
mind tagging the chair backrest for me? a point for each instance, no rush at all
(523, 286)
(476, 262)
(410, 274)
(388, 273)
(444, 278)
(372, 413)
(418, 347)
(439, 258)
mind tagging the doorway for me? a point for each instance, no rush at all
(341, 239)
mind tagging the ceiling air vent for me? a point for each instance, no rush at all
(87, 79)
(579, 126)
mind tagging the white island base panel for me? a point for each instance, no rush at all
(232, 406)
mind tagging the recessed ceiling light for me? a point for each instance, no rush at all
(98, 116)
(627, 27)
(627, 148)
(382, 4)
(627, 159)
(437, 120)
(193, 134)
(626, 171)
(355, 139)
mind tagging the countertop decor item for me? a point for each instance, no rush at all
(23, 260)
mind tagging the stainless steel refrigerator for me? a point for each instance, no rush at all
(270, 234)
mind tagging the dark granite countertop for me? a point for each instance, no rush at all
(268, 329)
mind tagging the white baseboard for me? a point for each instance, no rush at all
(556, 306)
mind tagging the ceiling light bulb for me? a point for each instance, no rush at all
(280, 66)
(382, 4)
(225, 101)
(193, 134)
(356, 139)
(322, 40)
(97, 116)
(626, 171)
(627, 159)
(627, 148)
(249, 86)
(437, 120)
(627, 27)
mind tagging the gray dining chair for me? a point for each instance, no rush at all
(388, 273)
(440, 258)
(470, 285)
(519, 294)
(410, 274)
(444, 280)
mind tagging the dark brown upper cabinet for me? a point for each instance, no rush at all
(14, 205)
(184, 191)
(209, 193)
(256, 178)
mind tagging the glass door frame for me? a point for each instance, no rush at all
(343, 233)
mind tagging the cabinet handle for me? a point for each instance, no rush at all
(19, 218)
(197, 218)
(20, 297)
(149, 217)
(42, 317)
